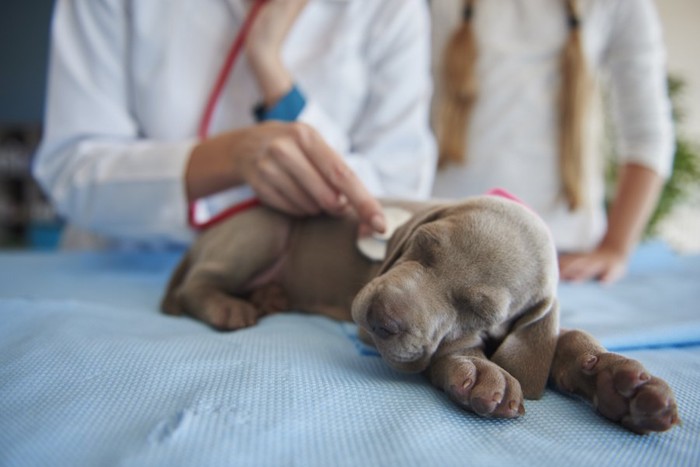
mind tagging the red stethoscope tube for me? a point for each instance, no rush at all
(203, 130)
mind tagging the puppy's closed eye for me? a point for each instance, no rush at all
(480, 307)
(461, 303)
(424, 247)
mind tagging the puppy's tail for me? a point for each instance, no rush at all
(169, 304)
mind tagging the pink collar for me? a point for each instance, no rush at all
(504, 194)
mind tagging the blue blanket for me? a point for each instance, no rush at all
(92, 374)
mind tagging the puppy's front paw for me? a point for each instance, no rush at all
(482, 386)
(624, 391)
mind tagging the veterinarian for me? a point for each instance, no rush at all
(325, 107)
(516, 109)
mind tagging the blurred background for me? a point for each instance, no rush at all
(27, 220)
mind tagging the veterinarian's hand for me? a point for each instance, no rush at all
(637, 192)
(288, 165)
(264, 43)
(297, 172)
(604, 264)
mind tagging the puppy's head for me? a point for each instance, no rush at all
(479, 273)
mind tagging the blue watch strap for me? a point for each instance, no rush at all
(286, 109)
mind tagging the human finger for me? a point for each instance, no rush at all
(565, 265)
(292, 159)
(575, 268)
(295, 176)
(614, 272)
(273, 180)
(340, 177)
(270, 196)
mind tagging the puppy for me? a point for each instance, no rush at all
(466, 295)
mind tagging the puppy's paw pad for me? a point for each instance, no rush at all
(484, 388)
(651, 399)
(484, 406)
(461, 381)
(652, 408)
(625, 392)
(510, 409)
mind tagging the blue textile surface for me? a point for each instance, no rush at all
(92, 374)
(656, 305)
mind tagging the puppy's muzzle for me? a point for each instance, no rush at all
(380, 323)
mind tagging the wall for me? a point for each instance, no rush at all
(26, 218)
(681, 23)
(24, 35)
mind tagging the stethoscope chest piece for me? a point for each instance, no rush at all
(374, 246)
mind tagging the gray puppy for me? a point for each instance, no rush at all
(466, 295)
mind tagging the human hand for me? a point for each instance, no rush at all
(291, 168)
(604, 264)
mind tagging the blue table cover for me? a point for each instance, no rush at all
(91, 374)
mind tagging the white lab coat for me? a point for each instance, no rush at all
(128, 82)
(512, 137)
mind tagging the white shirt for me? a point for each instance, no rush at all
(128, 82)
(512, 138)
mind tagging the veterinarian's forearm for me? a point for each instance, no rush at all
(273, 78)
(637, 193)
(264, 44)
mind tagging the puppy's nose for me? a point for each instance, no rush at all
(381, 325)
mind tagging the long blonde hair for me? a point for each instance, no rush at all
(459, 93)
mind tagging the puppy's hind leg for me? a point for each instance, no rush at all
(204, 299)
(621, 389)
(230, 261)
(270, 298)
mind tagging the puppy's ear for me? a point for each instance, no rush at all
(527, 352)
(398, 240)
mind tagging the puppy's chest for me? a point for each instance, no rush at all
(493, 338)
(467, 335)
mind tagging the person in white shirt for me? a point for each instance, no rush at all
(515, 111)
(129, 81)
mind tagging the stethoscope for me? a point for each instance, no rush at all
(204, 124)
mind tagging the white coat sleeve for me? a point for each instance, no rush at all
(97, 169)
(391, 148)
(641, 110)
